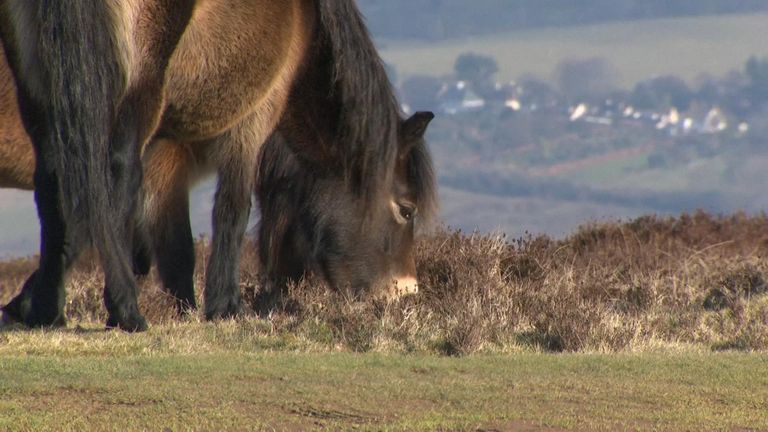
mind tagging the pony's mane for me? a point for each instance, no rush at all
(281, 189)
(369, 113)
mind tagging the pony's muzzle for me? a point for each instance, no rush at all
(403, 286)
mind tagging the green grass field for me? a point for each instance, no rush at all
(686, 47)
(196, 376)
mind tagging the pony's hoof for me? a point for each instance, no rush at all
(130, 324)
(6, 320)
(268, 300)
(231, 310)
(45, 320)
(12, 312)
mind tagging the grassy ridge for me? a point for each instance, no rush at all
(685, 47)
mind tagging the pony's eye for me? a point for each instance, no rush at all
(407, 211)
(403, 211)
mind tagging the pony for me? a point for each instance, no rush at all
(197, 87)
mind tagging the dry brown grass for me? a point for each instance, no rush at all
(696, 281)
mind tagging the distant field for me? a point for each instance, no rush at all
(686, 47)
(469, 211)
(516, 216)
(18, 223)
(698, 175)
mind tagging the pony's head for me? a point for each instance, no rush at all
(313, 221)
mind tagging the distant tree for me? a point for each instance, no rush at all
(661, 93)
(730, 92)
(585, 79)
(477, 69)
(756, 71)
(536, 92)
(420, 92)
(709, 90)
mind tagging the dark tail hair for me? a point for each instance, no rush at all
(369, 115)
(85, 81)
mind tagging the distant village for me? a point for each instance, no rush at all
(457, 97)
(724, 106)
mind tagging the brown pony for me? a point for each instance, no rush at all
(211, 81)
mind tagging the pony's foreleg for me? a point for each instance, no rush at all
(166, 214)
(120, 289)
(231, 209)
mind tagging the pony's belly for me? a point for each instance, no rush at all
(236, 58)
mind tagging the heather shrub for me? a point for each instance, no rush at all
(695, 280)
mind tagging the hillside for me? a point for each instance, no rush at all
(440, 19)
(637, 50)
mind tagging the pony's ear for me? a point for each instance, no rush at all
(415, 125)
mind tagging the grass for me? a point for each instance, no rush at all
(654, 323)
(234, 389)
(685, 47)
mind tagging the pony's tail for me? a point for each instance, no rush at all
(369, 113)
(83, 83)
